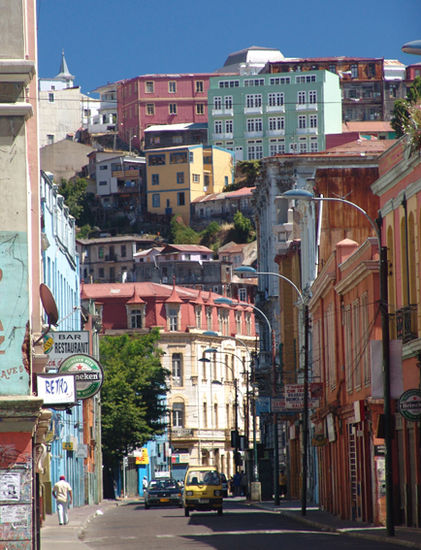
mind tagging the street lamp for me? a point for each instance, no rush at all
(303, 194)
(229, 302)
(251, 272)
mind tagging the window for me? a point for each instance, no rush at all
(217, 125)
(242, 294)
(238, 321)
(180, 177)
(253, 100)
(254, 82)
(172, 87)
(303, 145)
(177, 369)
(191, 156)
(228, 126)
(156, 200)
(293, 148)
(276, 99)
(149, 87)
(101, 272)
(301, 98)
(229, 83)
(178, 415)
(312, 121)
(199, 86)
(280, 80)
(101, 252)
(51, 97)
(276, 123)
(207, 159)
(312, 97)
(172, 108)
(178, 158)
(332, 68)
(205, 408)
(200, 109)
(248, 324)
(276, 147)
(198, 315)
(305, 78)
(354, 71)
(215, 414)
(228, 102)
(173, 318)
(150, 109)
(302, 121)
(254, 150)
(181, 201)
(196, 178)
(217, 103)
(209, 318)
(156, 160)
(254, 125)
(50, 139)
(314, 147)
(155, 179)
(135, 318)
(123, 251)
(103, 167)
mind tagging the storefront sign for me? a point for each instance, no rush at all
(60, 345)
(262, 405)
(410, 405)
(294, 395)
(57, 389)
(88, 374)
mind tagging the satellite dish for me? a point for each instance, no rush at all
(49, 304)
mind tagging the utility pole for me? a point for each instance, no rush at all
(275, 428)
(305, 414)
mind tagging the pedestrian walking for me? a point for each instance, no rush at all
(63, 494)
(144, 484)
(282, 484)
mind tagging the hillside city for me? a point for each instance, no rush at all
(214, 269)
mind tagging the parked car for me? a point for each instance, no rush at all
(202, 490)
(224, 485)
(163, 492)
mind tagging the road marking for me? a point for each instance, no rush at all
(249, 532)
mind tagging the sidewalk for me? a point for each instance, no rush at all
(404, 536)
(62, 537)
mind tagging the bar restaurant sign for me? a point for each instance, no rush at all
(410, 405)
(88, 374)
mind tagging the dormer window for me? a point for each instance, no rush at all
(135, 316)
(173, 311)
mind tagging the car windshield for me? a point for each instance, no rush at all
(203, 477)
(163, 484)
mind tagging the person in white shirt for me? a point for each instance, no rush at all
(62, 492)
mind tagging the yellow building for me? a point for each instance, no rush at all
(178, 175)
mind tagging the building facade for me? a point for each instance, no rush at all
(370, 86)
(160, 99)
(268, 115)
(221, 207)
(176, 176)
(207, 399)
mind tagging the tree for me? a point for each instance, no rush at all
(132, 394)
(181, 234)
(243, 228)
(403, 109)
(209, 236)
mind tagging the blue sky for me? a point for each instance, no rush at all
(108, 40)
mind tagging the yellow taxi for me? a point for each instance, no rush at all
(202, 489)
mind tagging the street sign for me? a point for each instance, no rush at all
(59, 345)
(410, 405)
(88, 374)
(57, 389)
(262, 405)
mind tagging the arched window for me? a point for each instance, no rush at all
(178, 415)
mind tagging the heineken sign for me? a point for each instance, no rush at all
(410, 405)
(88, 374)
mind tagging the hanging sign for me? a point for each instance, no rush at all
(57, 389)
(88, 374)
(410, 405)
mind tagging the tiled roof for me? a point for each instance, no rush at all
(243, 192)
(367, 126)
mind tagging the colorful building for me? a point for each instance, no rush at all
(267, 114)
(206, 399)
(176, 176)
(160, 99)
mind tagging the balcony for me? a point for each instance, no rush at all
(275, 133)
(181, 433)
(132, 173)
(307, 131)
(306, 107)
(406, 323)
(255, 134)
(222, 136)
(275, 108)
(253, 110)
(223, 111)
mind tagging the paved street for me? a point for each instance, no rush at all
(242, 527)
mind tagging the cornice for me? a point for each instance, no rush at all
(357, 275)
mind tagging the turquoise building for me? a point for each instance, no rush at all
(267, 114)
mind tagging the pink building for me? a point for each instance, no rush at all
(160, 99)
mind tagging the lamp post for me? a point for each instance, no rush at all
(302, 194)
(229, 302)
(252, 272)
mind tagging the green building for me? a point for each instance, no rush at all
(267, 114)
